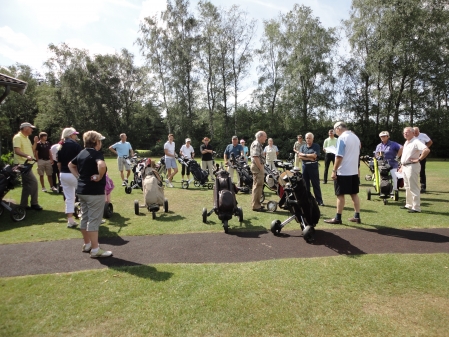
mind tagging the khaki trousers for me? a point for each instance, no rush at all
(258, 181)
(208, 165)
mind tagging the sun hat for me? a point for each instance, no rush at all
(206, 139)
(25, 124)
(67, 132)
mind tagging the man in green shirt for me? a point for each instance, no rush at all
(23, 150)
(329, 157)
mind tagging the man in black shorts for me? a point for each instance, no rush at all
(346, 172)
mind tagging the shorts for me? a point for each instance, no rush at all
(44, 166)
(346, 184)
(122, 164)
(170, 163)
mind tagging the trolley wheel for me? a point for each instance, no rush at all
(108, 210)
(166, 206)
(226, 226)
(276, 227)
(210, 186)
(262, 197)
(153, 215)
(1, 209)
(385, 201)
(368, 194)
(128, 189)
(205, 215)
(272, 206)
(77, 210)
(396, 195)
(196, 183)
(185, 184)
(240, 214)
(18, 213)
(136, 207)
(308, 234)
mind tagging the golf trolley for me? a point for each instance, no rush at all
(225, 203)
(381, 178)
(200, 177)
(137, 166)
(302, 205)
(9, 179)
(274, 180)
(153, 191)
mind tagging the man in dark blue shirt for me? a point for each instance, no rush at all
(237, 150)
(309, 153)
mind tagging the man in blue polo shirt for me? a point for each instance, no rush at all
(121, 149)
(237, 150)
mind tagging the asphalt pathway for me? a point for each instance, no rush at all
(66, 256)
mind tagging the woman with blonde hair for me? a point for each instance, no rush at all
(90, 169)
(68, 149)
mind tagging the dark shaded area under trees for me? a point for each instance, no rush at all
(198, 57)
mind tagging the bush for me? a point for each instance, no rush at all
(6, 159)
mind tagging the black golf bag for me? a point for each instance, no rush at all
(295, 197)
(386, 187)
(244, 173)
(225, 203)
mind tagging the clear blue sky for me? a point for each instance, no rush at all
(27, 27)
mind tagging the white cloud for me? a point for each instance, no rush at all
(151, 7)
(18, 47)
(93, 48)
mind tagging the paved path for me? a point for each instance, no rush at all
(66, 256)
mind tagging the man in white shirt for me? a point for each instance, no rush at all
(346, 172)
(427, 142)
(413, 153)
(170, 160)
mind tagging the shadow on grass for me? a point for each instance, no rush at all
(408, 234)
(32, 218)
(136, 269)
(117, 220)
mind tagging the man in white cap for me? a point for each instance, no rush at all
(346, 172)
(187, 152)
(23, 151)
(390, 150)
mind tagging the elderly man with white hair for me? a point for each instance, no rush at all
(257, 168)
(309, 153)
(413, 153)
(346, 172)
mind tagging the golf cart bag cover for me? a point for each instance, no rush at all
(385, 187)
(224, 195)
(197, 172)
(152, 191)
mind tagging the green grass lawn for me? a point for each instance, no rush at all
(367, 295)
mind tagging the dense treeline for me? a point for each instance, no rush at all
(198, 58)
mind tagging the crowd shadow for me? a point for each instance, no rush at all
(408, 234)
(32, 218)
(136, 269)
(117, 220)
(336, 243)
(110, 237)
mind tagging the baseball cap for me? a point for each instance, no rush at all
(242, 141)
(188, 140)
(235, 137)
(25, 124)
(384, 133)
(42, 134)
(67, 132)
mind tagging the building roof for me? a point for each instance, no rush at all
(14, 83)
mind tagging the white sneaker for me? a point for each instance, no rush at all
(189, 181)
(54, 189)
(71, 224)
(100, 253)
(123, 183)
(103, 220)
(44, 189)
(167, 182)
(86, 248)
(170, 184)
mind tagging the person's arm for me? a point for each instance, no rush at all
(277, 151)
(429, 143)
(132, 152)
(111, 148)
(19, 152)
(74, 169)
(400, 152)
(192, 154)
(256, 161)
(36, 140)
(101, 166)
(337, 164)
(35, 152)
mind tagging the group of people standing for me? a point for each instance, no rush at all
(82, 172)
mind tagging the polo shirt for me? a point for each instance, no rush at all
(86, 162)
(24, 144)
(187, 151)
(206, 156)
(329, 142)
(43, 150)
(236, 150)
(257, 151)
(348, 147)
(412, 150)
(122, 148)
(390, 150)
(67, 152)
(314, 148)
